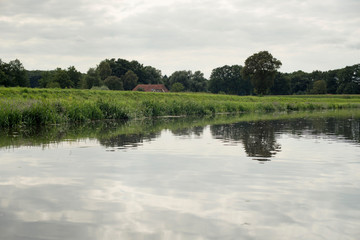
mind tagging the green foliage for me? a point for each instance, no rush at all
(261, 67)
(13, 74)
(129, 80)
(228, 79)
(146, 74)
(53, 85)
(26, 106)
(114, 83)
(104, 88)
(177, 87)
(182, 77)
(104, 70)
(192, 82)
(74, 77)
(282, 85)
(198, 82)
(319, 87)
(92, 78)
(140, 89)
(234, 80)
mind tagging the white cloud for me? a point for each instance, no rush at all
(177, 34)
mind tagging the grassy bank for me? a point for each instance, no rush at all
(23, 106)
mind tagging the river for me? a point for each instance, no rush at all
(278, 177)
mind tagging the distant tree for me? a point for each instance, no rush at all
(62, 77)
(129, 80)
(75, 76)
(319, 87)
(104, 69)
(53, 85)
(198, 82)
(165, 80)
(261, 67)
(228, 79)
(152, 75)
(139, 70)
(300, 82)
(34, 78)
(18, 73)
(13, 74)
(114, 83)
(4, 78)
(92, 78)
(120, 66)
(349, 80)
(331, 81)
(182, 77)
(177, 87)
(281, 85)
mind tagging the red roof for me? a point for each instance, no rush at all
(151, 88)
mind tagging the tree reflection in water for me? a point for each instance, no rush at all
(258, 137)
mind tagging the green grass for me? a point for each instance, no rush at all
(25, 106)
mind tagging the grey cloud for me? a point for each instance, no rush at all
(137, 29)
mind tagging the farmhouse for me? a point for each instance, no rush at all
(151, 88)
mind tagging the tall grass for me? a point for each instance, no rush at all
(24, 106)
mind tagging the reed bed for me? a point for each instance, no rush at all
(25, 106)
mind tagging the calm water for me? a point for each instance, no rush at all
(183, 179)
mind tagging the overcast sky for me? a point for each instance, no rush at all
(175, 35)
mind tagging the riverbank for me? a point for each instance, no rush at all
(25, 106)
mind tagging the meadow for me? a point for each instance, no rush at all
(33, 107)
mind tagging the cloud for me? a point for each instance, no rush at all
(177, 34)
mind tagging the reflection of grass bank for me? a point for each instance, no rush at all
(20, 106)
(140, 129)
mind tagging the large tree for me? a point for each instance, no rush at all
(13, 74)
(114, 83)
(104, 69)
(129, 80)
(228, 79)
(198, 82)
(261, 67)
(75, 76)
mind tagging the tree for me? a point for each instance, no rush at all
(182, 77)
(104, 69)
(261, 67)
(300, 82)
(177, 87)
(61, 76)
(4, 79)
(129, 80)
(228, 79)
(198, 82)
(349, 80)
(281, 85)
(75, 76)
(92, 78)
(114, 83)
(319, 87)
(13, 74)
(152, 75)
(331, 81)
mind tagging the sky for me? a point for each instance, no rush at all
(173, 35)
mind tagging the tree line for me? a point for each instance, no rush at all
(259, 76)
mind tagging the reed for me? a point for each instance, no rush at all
(25, 106)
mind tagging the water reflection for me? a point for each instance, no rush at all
(185, 179)
(257, 137)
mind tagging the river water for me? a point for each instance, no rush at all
(289, 177)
